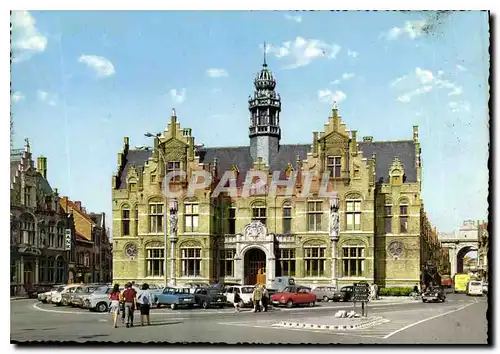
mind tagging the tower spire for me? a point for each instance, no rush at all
(265, 64)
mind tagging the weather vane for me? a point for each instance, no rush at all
(265, 64)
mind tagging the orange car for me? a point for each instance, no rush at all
(294, 295)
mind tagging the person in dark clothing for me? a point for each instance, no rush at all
(415, 289)
(236, 302)
(129, 296)
(265, 298)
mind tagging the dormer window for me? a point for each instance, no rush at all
(333, 166)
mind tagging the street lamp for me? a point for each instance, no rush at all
(165, 210)
(334, 233)
(173, 237)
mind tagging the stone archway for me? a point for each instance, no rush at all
(460, 257)
(254, 263)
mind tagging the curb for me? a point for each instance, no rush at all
(369, 323)
(19, 298)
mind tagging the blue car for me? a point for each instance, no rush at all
(175, 297)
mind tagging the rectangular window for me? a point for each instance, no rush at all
(353, 261)
(60, 237)
(152, 178)
(125, 222)
(388, 219)
(315, 261)
(403, 218)
(191, 215)
(353, 215)
(51, 270)
(286, 262)
(155, 218)
(191, 262)
(287, 219)
(259, 213)
(136, 221)
(155, 258)
(27, 196)
(231, 221)
(174, 167)
(226, 263)
(314, 215)
(52, 236)
(334, 166)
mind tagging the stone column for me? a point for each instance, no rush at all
(334, 262)
(37, 265)
(271, 262)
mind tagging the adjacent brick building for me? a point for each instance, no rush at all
(378, 183)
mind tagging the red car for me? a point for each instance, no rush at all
(294, 295)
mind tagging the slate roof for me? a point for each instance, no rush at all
(240, 156)
(385, 152)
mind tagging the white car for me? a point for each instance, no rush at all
(56, 298)
(245, 292)
(47, 296)
(485, 287)
(475, 287)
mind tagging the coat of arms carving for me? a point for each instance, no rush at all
(256, 229)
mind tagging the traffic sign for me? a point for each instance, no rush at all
(361, 292)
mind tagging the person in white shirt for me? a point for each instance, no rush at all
(146, 299)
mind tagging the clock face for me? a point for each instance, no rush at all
(131, 250)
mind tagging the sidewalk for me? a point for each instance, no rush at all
(18, 298)
(393, 299)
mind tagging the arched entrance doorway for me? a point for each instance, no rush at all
(460, 257)
(255, 263)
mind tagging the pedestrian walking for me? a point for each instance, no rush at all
(265, 298)
(236, 301)
(145, 300)
(375, 286)
(257, 297)
(130, 304)
(114, 296)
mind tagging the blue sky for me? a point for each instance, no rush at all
(82, 81)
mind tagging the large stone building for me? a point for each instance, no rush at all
(233, 237)
(38, 226)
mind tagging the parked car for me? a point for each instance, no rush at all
(245, 292)
(175, 297)
(76, 298)
(294, 295)
(485, 287)
(57, 297)
(98, 300)
(475, 287)
(223, 286)
(47, 296)
(434, 294)
(345, 294)
(325, 293)
(193, 286)
(209, 298)
(279, 283)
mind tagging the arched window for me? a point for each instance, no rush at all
(125, 220)
(353, 260)
(28, 229)
(155, 216)
(287, 218)
(314, 260)
(259, 212)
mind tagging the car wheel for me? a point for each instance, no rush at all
(325, 298)
(424, 300)
(173, 306)
(311, 304)
(58, 304)
(101, 307)
(289, 304)
(204, 304)
(158, 305)
(64, 302)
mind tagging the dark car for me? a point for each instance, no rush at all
(209, 298)
(434, 294)
(345, 294)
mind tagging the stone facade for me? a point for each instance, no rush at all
(233, 237)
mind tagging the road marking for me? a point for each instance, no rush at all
(428, 319)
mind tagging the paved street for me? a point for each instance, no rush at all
(461, 319)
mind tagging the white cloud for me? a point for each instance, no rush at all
(463, 106)
(178, 96)
(49, 98)
(347, 76)
(17, 97)
(398, 80)
(412, 29)
(440, 73)
(461, 68)
(328, 96)
(302, 52)
(215, 72)
(405, 98)
(352, 53)
(336, 82)
(295, 18)
(425, 76)
(457, 91)
(26, 38)
(102, 66)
